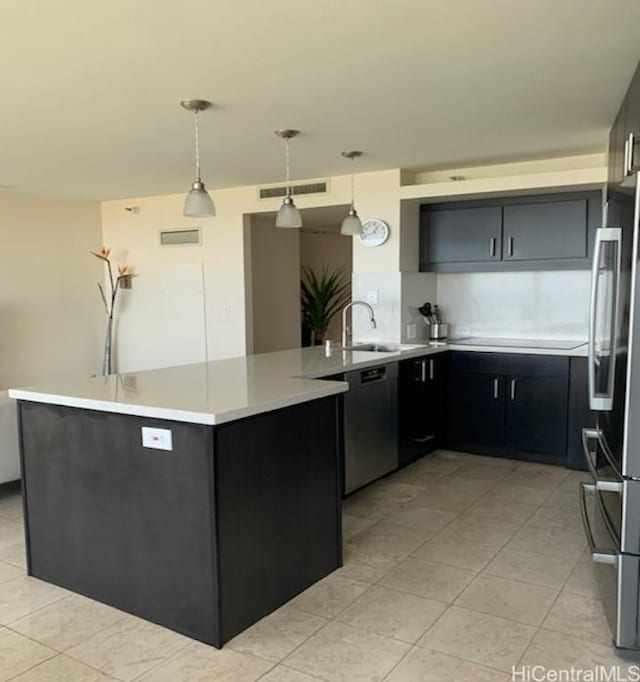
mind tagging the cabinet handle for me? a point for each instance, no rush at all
(423, 439)
(417, 372)
(492, 247)
(513, 389)
(423, 371)
(496, 389)
(509, 246)
(431, 370)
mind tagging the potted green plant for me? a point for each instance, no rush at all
(322, 296)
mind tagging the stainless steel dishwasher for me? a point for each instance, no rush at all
(370, 425)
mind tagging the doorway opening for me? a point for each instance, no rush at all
(278, 260)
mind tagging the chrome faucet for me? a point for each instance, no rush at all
(347, 337)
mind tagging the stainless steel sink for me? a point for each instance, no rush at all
(383, 347)
(372, 347)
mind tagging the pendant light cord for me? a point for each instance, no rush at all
(353, 170)
(197, 142)
(287, 165)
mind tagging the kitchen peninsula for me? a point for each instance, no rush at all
(200, 497)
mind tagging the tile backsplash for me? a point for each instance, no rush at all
(551, 304)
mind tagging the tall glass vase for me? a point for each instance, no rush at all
(108, 343)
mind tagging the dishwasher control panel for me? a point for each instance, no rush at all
(375, 374)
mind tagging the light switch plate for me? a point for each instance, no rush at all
(372, 296)
(158, 439)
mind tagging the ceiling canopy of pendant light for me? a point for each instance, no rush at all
(198, 203)
(288, 215)
(351, 225)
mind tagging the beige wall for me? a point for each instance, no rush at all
(225, 257)
(50, 308)
(275, 281)
(51, 321)
(327, 249)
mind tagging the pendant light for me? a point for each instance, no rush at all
(288, 215)
(351, 225)
(198, 203)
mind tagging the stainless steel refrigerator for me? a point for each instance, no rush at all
(610, 502)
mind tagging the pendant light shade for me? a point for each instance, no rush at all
(288, 215)
(351, 225)
(198, 203)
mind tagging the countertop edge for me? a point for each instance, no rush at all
(322, 388)
(325, 389)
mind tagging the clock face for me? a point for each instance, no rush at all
(374, 232)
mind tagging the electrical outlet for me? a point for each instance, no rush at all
(372, 296)
(412, 331)
(157, 439)
(463, 331)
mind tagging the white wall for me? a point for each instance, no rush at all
(517, 304)
(134, 238)
(388, 288)
(225, 253)
(50, 312)
(417, 288)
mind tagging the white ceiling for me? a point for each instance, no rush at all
(90, 89)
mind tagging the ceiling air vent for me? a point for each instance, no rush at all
(296, 190)
(180, 237)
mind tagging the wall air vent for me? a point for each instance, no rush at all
(297, 190)
(186, 237)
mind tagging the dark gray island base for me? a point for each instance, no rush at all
(205, 539)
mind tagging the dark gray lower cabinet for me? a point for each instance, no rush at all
(536, 414)
(509, 405)
(580, 416)
(205, 539)
(476, 409)
(422, 405)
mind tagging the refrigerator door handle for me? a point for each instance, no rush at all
(597, 555)
(588, 435)
(629, 147)
(603, 402)
(592, 456)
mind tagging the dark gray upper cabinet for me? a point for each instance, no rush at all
(627, 121)
(546, 232)
(557, 229)
(463, 234)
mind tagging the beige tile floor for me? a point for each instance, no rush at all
(456, 568)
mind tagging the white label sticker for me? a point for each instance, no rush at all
(159, 439)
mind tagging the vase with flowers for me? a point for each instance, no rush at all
(116, 282)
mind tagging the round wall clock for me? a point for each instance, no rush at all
(375, 232)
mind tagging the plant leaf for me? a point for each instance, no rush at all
(323, 295)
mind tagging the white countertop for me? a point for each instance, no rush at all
(225, 390)
(564, 347)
